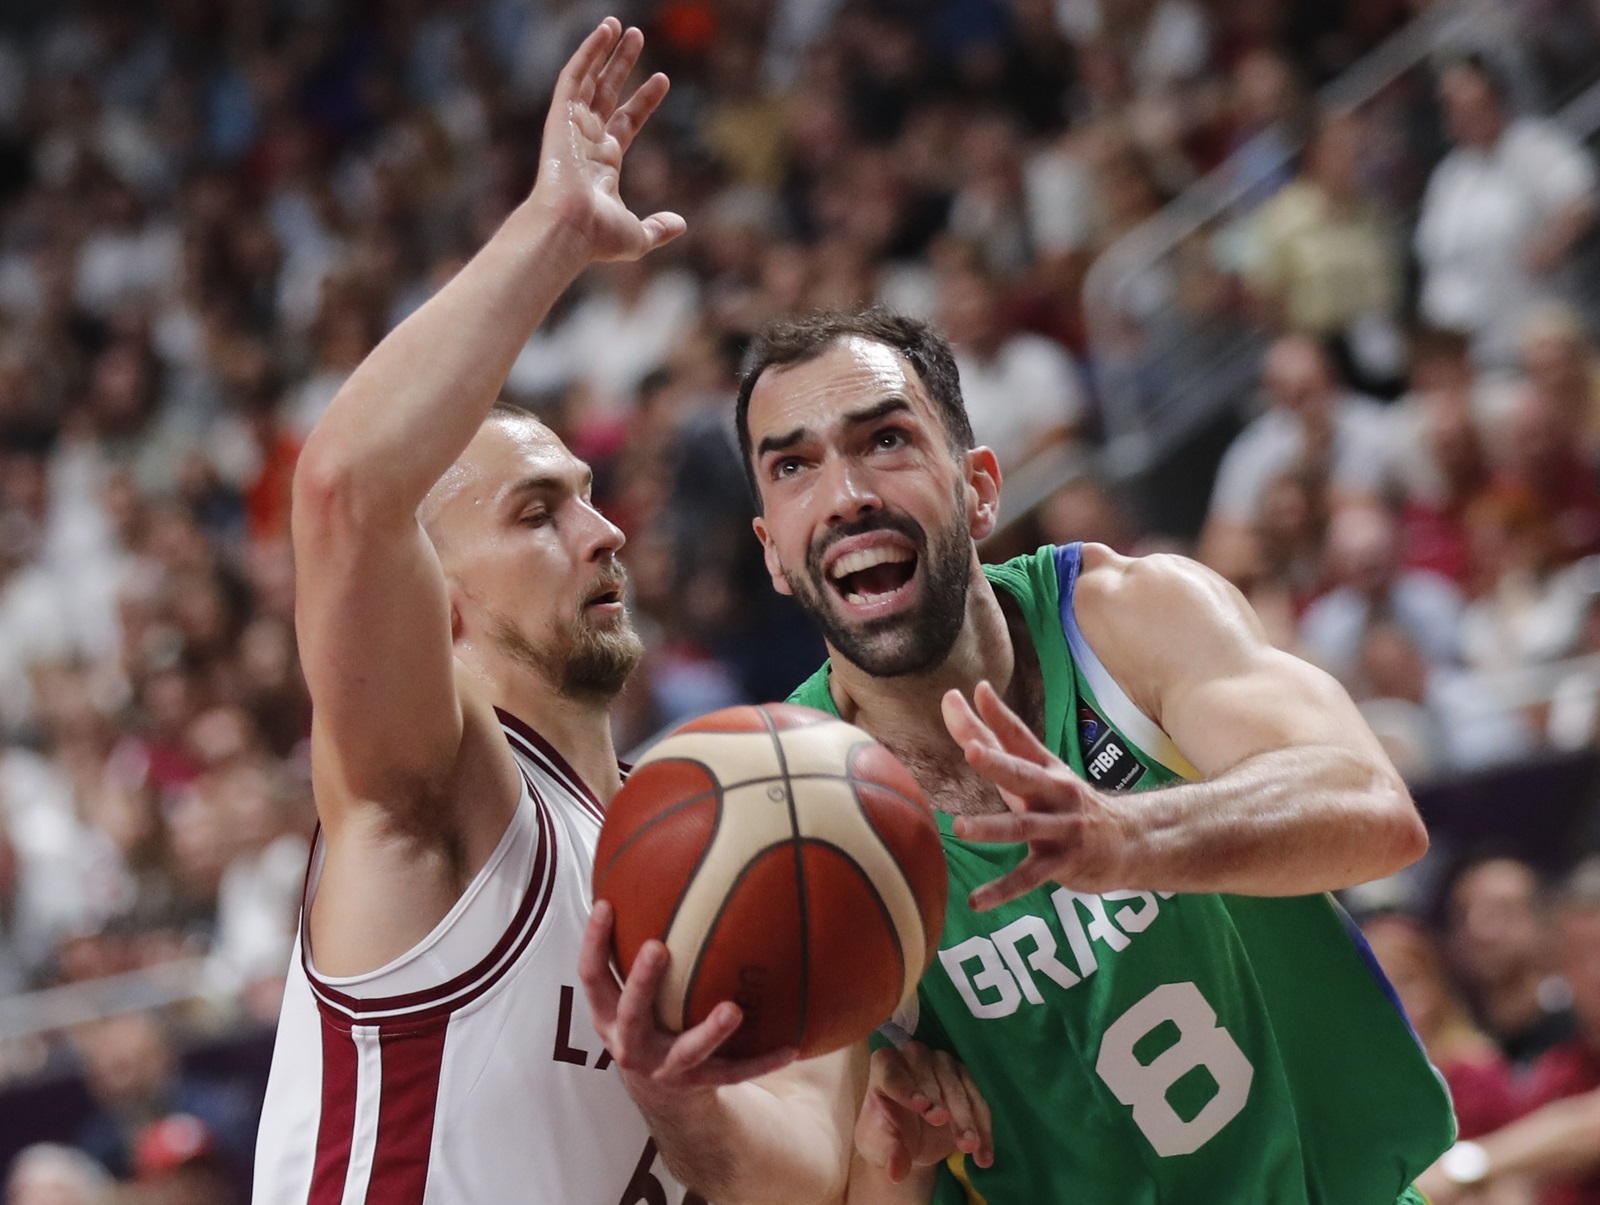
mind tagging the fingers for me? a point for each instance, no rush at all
(636, 1008)
(661, 228)
(904, 1076)
(982, 1121)
(594, 966)
(1015, 736)
(962, 722)
(1030, 873)
(1030, 783)
(961, 1098)
(577, 78)
(695, 1046)
(1012, 827)
(608, 82)
(625, 124)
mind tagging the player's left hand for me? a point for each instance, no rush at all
(921, 1106)
(654, 1060)
(1076, 835)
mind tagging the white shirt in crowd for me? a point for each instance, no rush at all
(1481, 211)
(1274, 443)
(1028, 389)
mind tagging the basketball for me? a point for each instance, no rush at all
(789, 862)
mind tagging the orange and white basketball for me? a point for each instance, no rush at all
(789, 862)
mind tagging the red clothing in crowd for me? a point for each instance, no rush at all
(1483, 1093)
(1569, 1069)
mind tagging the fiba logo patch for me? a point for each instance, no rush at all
(1107, 761)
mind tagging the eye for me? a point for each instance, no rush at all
(534, 518)
(890, 439)
(786, 466)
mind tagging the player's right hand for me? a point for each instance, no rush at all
(921, 1107)
(587, 132)
(654, 1060)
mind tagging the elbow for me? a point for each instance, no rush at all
(1405, 837)
(334, 494)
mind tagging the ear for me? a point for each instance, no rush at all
(983, 492)
(780, 580)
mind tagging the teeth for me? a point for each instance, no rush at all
(866, 558)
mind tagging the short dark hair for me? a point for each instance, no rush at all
(798, 340)
(1483, 66)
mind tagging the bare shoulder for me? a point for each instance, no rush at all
(1117, 594)
(1152, 618)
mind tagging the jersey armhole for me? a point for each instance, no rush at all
(1120, 711)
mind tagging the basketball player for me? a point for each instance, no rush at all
(1143, 806)
(460, 618)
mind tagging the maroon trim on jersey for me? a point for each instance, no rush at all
(337, 1124)
(431, 1003)
(408, 1100)
(544, 752)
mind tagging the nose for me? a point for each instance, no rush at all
(605, 537)
(848, 490)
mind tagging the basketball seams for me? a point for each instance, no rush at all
(799, 866)
(816, 834)
(717, 792)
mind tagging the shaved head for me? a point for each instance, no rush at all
(530, 563)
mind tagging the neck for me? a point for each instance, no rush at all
(578, 728)
(903, 711)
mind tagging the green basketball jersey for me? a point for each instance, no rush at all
(1139, 1047)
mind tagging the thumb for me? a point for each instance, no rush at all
(661, 228)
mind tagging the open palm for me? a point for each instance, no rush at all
(586, 135)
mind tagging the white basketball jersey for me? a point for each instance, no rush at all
(466, 1071)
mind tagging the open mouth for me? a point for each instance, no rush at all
(608, 596)
(873, 578)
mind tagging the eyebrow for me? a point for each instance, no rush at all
(857, 418)
(546, 483)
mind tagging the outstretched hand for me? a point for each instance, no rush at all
(920, 1108)
(588, 131)
(656, 1061)
(1076, 835)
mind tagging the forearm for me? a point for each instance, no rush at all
(744, 1145)
(414, 404)
(1561, 1139)
(1288, 822)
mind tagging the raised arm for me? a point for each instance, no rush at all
(1295, 794)
(396, 738)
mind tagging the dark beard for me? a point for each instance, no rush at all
(910, 642)
(582, 662)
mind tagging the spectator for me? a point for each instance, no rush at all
(49, 1174)
(1499, 945)
(1326, 263)
(1478, 1075)
(1370, 587)
(1309, 419)
(1501, 213)
(134, 1080)
(1557, 1145)
(1021, 390)
(1530, 600)
(1438, 461)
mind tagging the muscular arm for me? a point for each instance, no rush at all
(1296, 794)
(397, 735)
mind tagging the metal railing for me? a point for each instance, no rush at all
(1163, 373)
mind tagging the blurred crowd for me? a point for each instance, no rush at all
(211, 212)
